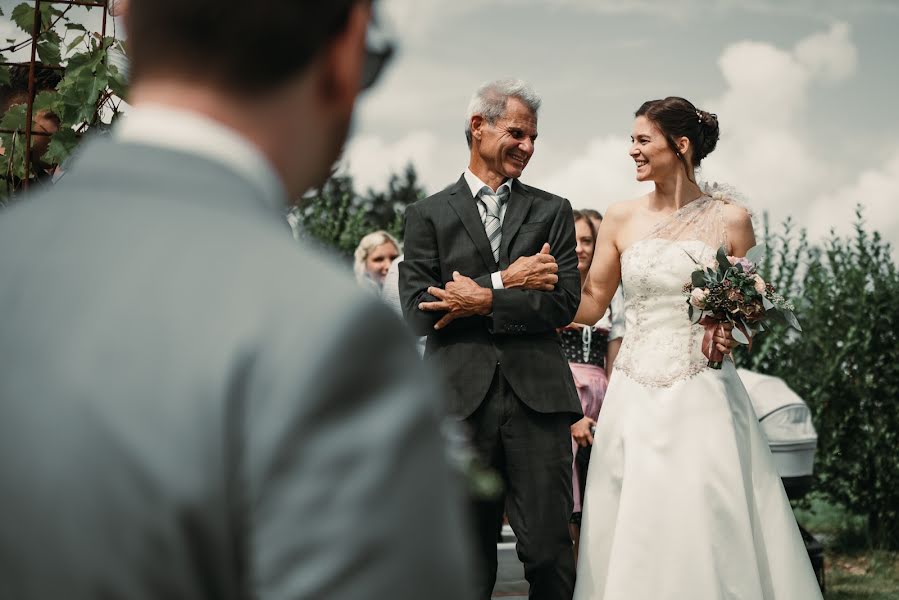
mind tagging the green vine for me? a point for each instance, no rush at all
(88, 95)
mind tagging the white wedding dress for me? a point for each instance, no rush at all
(683, 501)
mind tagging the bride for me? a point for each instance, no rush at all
(683, 500)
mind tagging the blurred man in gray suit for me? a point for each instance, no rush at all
(190, 406)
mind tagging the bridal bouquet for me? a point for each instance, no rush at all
(730, 290)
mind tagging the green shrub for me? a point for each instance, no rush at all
(336, 217)
(845, 364)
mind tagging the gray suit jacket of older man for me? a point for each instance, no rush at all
(190, 407)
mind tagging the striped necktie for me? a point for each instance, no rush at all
(493, 227)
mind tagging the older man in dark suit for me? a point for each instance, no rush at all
(191, 406)
(506, 254)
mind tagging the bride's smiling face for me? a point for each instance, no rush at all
(652, 155)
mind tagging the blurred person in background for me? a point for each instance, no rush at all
(373, 257)
(586, 349)
(44, 122)
(613, 320)
(172, 424)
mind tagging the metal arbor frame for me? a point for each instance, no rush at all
(35, 36)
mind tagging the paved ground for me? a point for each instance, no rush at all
(510, 582)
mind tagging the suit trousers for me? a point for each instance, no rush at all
(532, 453)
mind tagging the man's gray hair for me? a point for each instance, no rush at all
(490, 101)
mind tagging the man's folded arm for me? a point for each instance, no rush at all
(419, 270)
(532, 311)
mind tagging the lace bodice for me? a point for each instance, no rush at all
(661, 346)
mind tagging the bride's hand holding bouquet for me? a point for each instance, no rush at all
(730, 290)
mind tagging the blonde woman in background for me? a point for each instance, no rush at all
(373, 257)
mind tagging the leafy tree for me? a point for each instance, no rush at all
(845, 364)
(386, 209)
(87, 96)
(337, 217)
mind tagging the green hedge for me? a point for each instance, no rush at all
(845, 364)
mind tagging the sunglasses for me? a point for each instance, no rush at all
(379, 49)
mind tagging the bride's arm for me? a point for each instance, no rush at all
(739, 229)
(605, 272)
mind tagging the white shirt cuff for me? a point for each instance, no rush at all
(497, 279)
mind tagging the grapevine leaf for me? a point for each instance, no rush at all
(14, 118)
(78, 40)
(61, 146)
(46, 100)
(48, 50)
(23, 16)
(4, 74)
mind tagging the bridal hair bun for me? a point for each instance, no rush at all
(708, 133)
(677, 117)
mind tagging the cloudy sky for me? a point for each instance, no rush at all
(805, 90)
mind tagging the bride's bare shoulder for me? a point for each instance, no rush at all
(621, 212)
(737, 217)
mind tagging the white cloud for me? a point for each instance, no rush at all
(685, 8)
(415, 19)
(876, 189)
(9, 30)
(602, 175)
(371, 160)
(830, 56)
(764, 150)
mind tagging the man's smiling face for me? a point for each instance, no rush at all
(505, 147)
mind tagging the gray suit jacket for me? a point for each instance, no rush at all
(190, 407)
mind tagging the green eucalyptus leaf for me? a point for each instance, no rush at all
(721, 256)
(756, 254)
(697, 279)
(792, 321)
(767, 304)
(739, 336)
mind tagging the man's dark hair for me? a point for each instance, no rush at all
(248, 47)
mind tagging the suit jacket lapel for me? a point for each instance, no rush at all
(463, 203)
(519, 205)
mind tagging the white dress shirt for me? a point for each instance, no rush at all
(187, 131)
(477, 190)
